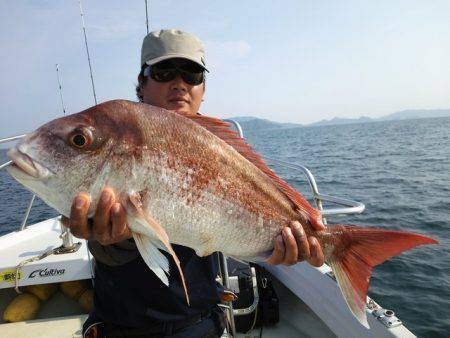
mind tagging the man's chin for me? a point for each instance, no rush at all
(180, 107)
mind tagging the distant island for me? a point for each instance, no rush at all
(258, 123)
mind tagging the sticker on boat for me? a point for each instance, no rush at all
(9, 276)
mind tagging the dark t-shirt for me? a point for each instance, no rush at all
(128, 293)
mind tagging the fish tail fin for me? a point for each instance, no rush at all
(356, 251)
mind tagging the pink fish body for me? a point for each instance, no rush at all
(189, 180)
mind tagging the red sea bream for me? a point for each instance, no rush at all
(189, 180)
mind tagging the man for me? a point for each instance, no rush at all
(130, 301)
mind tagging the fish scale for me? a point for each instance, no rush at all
(189, 224)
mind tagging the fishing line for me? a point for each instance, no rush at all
(87, 51)
(95, 100)
(60, 90)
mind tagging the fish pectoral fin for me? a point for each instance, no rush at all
(140, 226)
(144, 218)
(155, 260)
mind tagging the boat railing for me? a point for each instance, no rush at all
(347, 206)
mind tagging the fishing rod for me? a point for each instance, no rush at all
(60, 90)
(95, 100)
(146, 15)
(87, 51)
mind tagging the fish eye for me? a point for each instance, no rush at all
(79, 140)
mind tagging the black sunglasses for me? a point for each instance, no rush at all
(167, 71)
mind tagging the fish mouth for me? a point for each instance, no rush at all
(26, 165)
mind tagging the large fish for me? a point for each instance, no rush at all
(189, 180)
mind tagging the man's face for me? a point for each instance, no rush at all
(175, 95)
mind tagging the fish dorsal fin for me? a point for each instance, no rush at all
(222, 130)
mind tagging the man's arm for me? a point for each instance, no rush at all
(109, 227)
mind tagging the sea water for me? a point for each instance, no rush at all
(400, 170)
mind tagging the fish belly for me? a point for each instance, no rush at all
(208, 223)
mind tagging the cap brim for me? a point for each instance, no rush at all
(173, 56)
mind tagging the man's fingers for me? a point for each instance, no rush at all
(120, 230)
(102, 228)
(278, 252)
(302, 241)
(78, 222)
(291, 249)
(317, 258)
(318, 226)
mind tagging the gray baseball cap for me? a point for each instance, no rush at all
(172, 43)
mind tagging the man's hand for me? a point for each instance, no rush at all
(294, 246)
(108, 225)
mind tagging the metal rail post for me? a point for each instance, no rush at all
(27, 213)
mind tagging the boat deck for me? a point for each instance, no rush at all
(61, 317)
(19, 246)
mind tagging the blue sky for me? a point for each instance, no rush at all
(289, 61)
